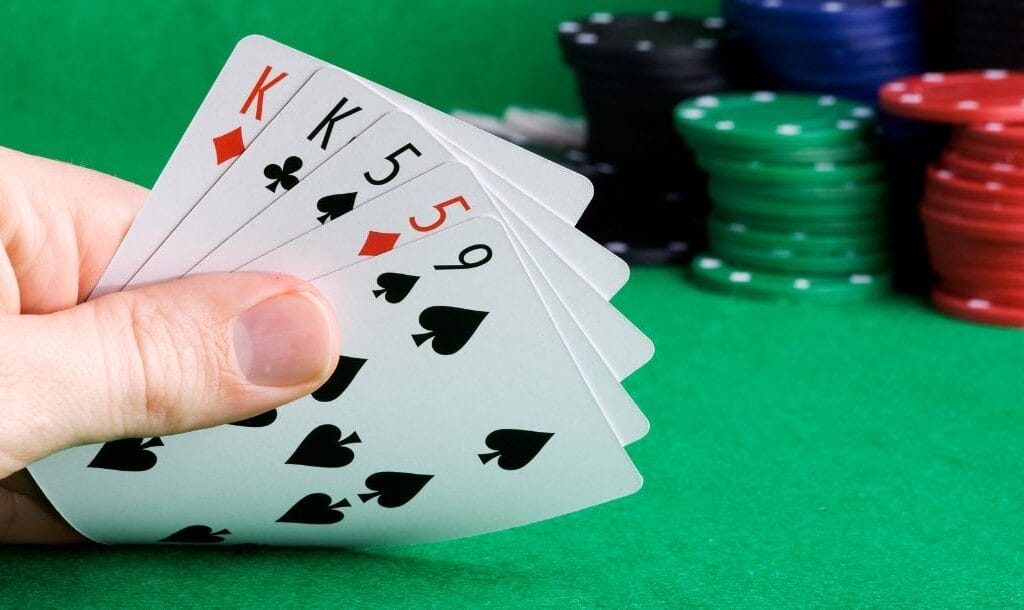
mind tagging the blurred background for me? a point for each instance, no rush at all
(131, 74)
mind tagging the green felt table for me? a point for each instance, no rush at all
(861, 456)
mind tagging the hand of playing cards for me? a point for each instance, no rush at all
(479, 383)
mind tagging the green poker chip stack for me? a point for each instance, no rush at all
(798, 196)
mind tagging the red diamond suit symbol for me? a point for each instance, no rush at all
(378, 243)
(229, 145)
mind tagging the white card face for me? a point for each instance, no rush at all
(325, 115)
(448, 194)
(456, 411)
(602, 270)
(388, 154)
(442, 197)
(255, 83)
(384, 156)
(562, 191)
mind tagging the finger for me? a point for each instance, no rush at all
(59, 225)
(163, 359)
(25, 520)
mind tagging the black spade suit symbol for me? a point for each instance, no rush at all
(394, 287)
(334, 206)
(325, 448)
(514, 448)
(393, 489)
(197, 534)
(258, 421)
(315, 509)
(127, 454)
(347, 369)
(449, 327)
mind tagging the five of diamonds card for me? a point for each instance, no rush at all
(479, 385)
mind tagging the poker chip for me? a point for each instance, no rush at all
(957, 97)
(973, 213)
(977, 309)
(846, 48)
(766, 118)
(631, 71)
(718, 274)
(789, 220)
(1007, 174)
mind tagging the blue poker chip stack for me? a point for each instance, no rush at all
(846, 48)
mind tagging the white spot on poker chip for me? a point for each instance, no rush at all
(801, 283)
(933, 77)
(569, 27)
(968, 105)
(911, 98)
(706, 101)
(661, 16)
(799, 236)
(896, 87)
(979, 304)
(893, 4)
(993, 186)
(763, 96)
(585, 38)
(833, 7)
(827, 100)
(945, 174)
(708, 262)
(824, 167)
(847, 124)
(995, 74)
(644, 45)
(714, 23)
(771, 3)
(994, 126)
(862, 112)
(740, 277)
(693, 114)
(788, 129)
(725, 125)
(861, 279)
(1003, 167)
(602, 18)
(736, 227)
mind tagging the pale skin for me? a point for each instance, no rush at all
(159, 360)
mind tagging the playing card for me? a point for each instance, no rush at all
(329, 111)
(388, 154)
(258, 78)
(442, 197)
(455, 410)
(383, 157)
(446, 194)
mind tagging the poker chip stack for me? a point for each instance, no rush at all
(984, 33)
(973, 203)
(846, 48)
(798, 196)
(650, 202)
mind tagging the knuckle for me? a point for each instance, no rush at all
(174, 360)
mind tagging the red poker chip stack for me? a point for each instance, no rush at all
(973, 204)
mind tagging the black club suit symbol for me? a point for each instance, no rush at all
(282, 174)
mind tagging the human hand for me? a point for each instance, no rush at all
(159, 360)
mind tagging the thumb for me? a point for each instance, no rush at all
(166, 358)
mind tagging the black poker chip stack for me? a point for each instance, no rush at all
(650, 203)
(985, 33)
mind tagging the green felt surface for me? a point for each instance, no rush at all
(865, 456)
